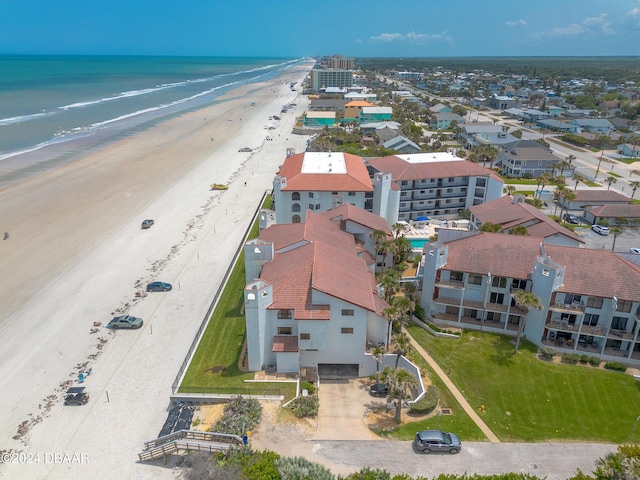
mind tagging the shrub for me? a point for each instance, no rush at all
(305, 406)
(595, 361)
(571, 358)
(617, 366)
(427, 403)
(419, 312)
(239, 415)
(298, 468)
(308, 386)
(584, 358)
(548, 352)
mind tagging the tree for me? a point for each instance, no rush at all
(490, 227)
(399, 382)
(377, 353)
(509, 189)
(610, 181)
(621, 465)
(580, 178)
(570, 159)
(567, 197)
(404, 306)
(403, 345)
(519, 230)
(634, 186)
(615, 231)
(391, 314)
(525, 301)
(543, 181)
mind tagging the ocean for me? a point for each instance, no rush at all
(55, 108)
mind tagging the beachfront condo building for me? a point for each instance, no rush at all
(319, 181)
(311, 301)
(322, 79)
(590, 298)
(429, 185)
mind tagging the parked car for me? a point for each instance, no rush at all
(600, 229)
(158, 287)
(125, 321)
(76, 396)
(378, 390)
(269, 138)
(635, 250)
(428, 441)
(245, 149)
(147, 223)
(569, 218)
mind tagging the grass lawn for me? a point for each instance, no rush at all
(528, 399)
(221, 347)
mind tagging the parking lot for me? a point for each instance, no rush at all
(629, 238)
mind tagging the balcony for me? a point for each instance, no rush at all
(574, 307)
(620, 334)
(615, 352)
(455, 285)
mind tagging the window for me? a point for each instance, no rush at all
(591, 319)
(347, 312)
(481, 182)
(284, 330)
(346, 330)
(305, 336)
(295, 207)
(499, 282)
(594, 302)
(518, 284)
(570, 298)
(295, 196)
(310, 194)
(284, 314)
(475, 279)
(456, 276)
(317, 206)
(539, 163)
(311, 206)
(470, 312)
(449, 190)
(450, 310)
(624, 306)
(451, 179)
(493, 316)
(619, 323)
(295, 219)
(497, 298)
(404, 183)
(352, 194)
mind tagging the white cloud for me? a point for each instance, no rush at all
(411, 37)
(590, 25)
(514, 23)
(634, 12)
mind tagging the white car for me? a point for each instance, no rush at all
(600, 229)
(635, 250)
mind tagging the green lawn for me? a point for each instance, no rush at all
(528, 399)
(221, 346)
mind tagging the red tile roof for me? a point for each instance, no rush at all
(357, 215)
(604, 196)
(285, 343)
(504, 212)
(355, 179)
(402, 170)
(588, 271)
(617, 210)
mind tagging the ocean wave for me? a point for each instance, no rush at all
(62, 137)
(23, 118)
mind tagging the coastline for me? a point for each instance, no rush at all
(76, 254)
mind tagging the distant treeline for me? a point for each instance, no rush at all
(611, 69)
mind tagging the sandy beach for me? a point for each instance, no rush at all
(77, 255)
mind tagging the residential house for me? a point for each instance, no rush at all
(401, 145)
(469, 131)
(527, 114)
(510, 212)
(528, 158)
(311, 302)
(555, 111)
(593, 125)
(363, 96)
(558, 126)
(624, 124)
(629, 151)
(586, 199)
(503, 102)
(375, 114)
(385, 134)
(319, 119)
(590, 298)
(353, 109)
(610, 214)
(326, 104)
(443, 120)
(372, 128)
(319, 181)
(429, 185)
(576, 112)
(440, 108)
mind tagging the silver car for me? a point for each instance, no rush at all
(428, 441)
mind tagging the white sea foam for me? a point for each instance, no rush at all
(23, 118)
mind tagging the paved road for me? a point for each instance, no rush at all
(555, 461)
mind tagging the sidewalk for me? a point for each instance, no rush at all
(454, 390)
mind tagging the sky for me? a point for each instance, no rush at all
(353, 28)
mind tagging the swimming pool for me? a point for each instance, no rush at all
(418, 243)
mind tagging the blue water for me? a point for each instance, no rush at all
(418, 243)
(51, 100)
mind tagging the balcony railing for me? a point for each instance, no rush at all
(621, 334)
(567, 307)
(451, 284)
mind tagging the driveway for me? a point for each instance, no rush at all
(342, 407)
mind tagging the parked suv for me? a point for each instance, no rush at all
(600, 229)
(570, 218)
(437, 441)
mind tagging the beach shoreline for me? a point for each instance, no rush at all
(77, 255)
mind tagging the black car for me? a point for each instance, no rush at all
(147, 223)
(158, 287)
(379, 390)
(569, 218)
(76, 396)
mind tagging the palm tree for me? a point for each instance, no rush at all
(563, 166)
(509, 189)
(543, 181)
(391, 314)
(615, 231)
(570, 159)
(525, 301)
(634, 186)
(490, 227)
(403, 345)
(580, 178)
(610, 181)
(377, 353)
(400, 382)
(567, 197)
(404, 306)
